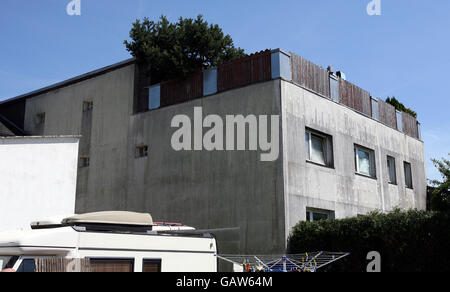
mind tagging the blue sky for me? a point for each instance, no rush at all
(404, 52)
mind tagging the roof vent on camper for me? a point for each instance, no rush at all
(111, 218)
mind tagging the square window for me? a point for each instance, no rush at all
(392, 176)
(40, 119)
(84, 161)
(141, 151)
(88, 106)
(319, 148)
(151, 266)
(365, 161)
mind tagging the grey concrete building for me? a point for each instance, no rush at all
(342, 152)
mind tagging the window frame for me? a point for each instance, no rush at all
(117, 259)
(154, 260)
(327, 150)
(88, 105)
(7, 261)
(141, 151)
(19, 260)
(40, 119)
(372, 161)
(311, 211)
(84, 161)
(405, 164)
(154, 97)
(334, 88)
(392, 159)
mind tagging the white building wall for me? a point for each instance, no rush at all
(37, 179)
(339, 189)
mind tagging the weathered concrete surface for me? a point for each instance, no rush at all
(37, 179)
(250, 205)
(232, 192)
(102, 185)
(339, 189)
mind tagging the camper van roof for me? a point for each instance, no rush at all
(111, 217)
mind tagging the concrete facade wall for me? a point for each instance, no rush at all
(231, 192)
(340, 189)
(102, 185)
(37, 179)
(249, 205)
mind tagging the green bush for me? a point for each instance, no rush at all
(400, 106)
(413, 241)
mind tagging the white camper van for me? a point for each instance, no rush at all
(109, 242)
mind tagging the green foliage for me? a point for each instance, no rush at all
(407, 241)
(440, 193)
(174, 50)
(400, 106)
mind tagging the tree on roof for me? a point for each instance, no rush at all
(400, 106)
(174, 50)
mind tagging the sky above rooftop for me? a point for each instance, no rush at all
(404, 52)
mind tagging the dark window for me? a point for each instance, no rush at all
(151, 266)
(392, 176)
(317, 215)
(27, 266)
(141, 151)
(84, 161)
(154, 97)
(112, 265)
(88, 106)
(408, 175)
(40, 119)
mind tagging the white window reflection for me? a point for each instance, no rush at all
(365, 161)
(316, 148)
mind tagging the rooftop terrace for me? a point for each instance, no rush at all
(278, 64)
(259, 67)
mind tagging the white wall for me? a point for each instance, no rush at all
(37, 179)
(340, 189)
